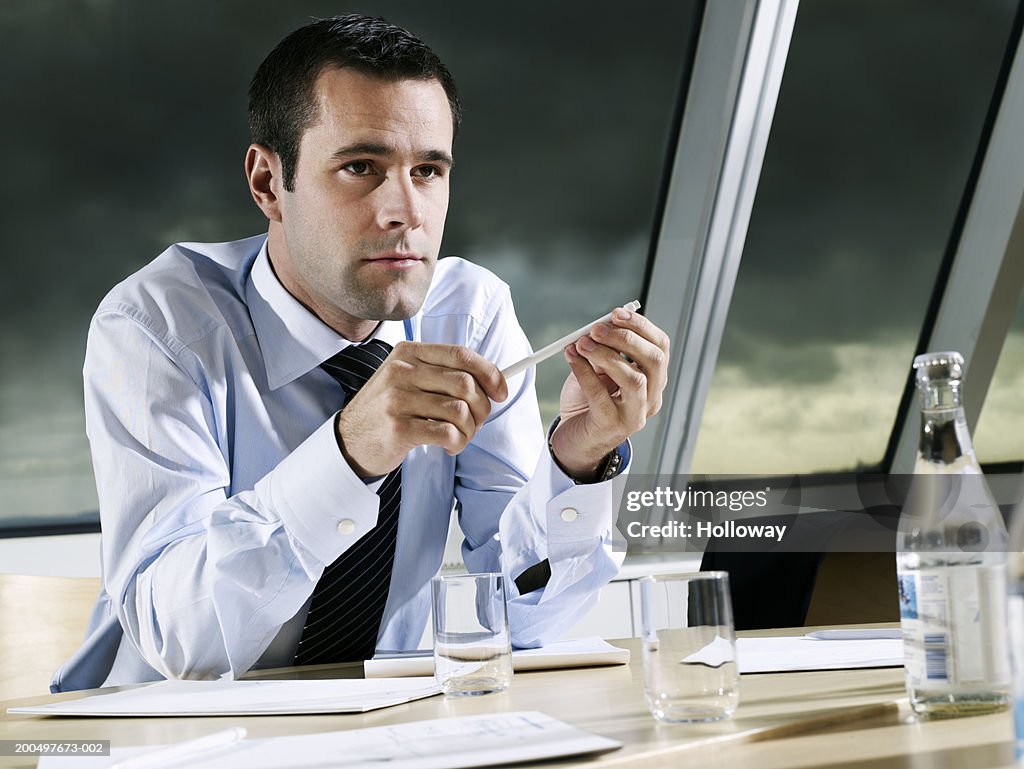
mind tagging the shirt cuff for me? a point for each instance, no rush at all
(319, 498)
(581, 512)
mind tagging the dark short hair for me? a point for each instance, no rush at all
(282, 101)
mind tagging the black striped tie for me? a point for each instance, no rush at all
(348, 601)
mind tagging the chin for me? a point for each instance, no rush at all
(400, 300)
(391, 305)
(400, 311)
(377, 297)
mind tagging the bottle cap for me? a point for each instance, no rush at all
(939, 365)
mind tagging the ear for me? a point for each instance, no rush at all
(263, 172)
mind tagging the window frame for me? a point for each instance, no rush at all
(734, 88)
(720, 153)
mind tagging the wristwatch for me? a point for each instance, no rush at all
(610, 467)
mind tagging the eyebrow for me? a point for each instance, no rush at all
(382, 150)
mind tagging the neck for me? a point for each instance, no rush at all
(349, 327)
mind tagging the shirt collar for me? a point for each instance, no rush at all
(292, 339)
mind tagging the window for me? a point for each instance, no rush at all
(873, 139)
(999, 435)
(130, 134)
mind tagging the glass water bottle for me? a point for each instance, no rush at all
(951, 556)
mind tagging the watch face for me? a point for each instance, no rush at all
(611, 466)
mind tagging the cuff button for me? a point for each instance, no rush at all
(570, 514)
(346, 526)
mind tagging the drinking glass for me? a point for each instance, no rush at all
(689, 647)
(472, 651)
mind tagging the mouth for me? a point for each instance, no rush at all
(395, 260)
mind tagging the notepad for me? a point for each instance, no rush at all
(578, 653)
(243, 698)
(442, 743)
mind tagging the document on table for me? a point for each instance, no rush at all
(443, 743)
(579, 653)
(789, 654)
(243, 698)
(780, 655)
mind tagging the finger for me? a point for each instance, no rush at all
(460, 358)
(651, 359)
(655, 365)
(429, 432)
(631, 382)
(425, 378)
(642, 326)
(593, 388)
(439, 408)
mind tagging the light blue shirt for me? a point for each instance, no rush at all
(223, 494)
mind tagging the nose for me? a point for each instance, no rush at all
(400, 204)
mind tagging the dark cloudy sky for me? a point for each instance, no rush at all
(125, 130)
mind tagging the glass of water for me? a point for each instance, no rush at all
(689, 647)
(472, 650)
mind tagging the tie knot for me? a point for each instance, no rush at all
(354, 365)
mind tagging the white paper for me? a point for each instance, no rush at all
(855, 633)
(786, 654)
(239, 698)
(582, 652)
(443, 743)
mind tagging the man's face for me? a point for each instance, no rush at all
(363, 226)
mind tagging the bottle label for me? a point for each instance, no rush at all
(954, 627)
(1015, 615)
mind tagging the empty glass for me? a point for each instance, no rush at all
(472, 651)
(689, 647)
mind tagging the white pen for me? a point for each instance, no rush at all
(182, 751)
(556, 347)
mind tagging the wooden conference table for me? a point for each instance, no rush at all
(856, 719)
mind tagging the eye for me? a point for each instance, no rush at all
(428, 172)
(358, 168)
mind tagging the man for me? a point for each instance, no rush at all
(280, 425)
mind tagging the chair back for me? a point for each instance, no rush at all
(42, 623)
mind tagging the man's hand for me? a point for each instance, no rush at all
(607, 398)
(422, 394)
